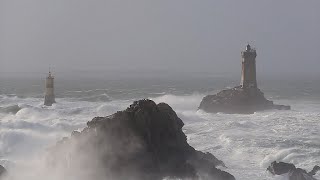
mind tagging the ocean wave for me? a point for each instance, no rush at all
(94, 95)
(278, 155)
(96, 98)
(26, 125)
(184, 102)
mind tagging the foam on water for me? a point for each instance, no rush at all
(249, 143)
(246, 143)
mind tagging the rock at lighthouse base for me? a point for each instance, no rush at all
(238, 101)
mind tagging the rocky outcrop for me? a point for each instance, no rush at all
(3, 172)
(143, 142)
(281, 168)
(238, 101)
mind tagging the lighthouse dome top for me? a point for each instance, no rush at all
(248, 48)
(50, 76)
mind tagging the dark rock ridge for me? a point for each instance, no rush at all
(3, 172)
(238, 100)
(280, 168)
(143, 142)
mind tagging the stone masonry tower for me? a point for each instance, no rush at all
(248, 76)
(49, 98)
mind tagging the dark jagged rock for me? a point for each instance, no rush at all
(3, 172)
(143, 142)
(280, 168)
(238, 100)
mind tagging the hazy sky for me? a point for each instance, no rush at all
(169, 36)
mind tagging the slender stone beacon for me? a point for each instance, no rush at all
(248, 76)
(49, 98)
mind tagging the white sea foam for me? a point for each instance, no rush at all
(246, 143)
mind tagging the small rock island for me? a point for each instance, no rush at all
(244, 99)
(293, 173)
(143, 142)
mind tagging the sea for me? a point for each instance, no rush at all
(247, 144)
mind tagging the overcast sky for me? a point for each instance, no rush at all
(169, 36)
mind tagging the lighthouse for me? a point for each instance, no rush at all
(49, 98)
(248, 76)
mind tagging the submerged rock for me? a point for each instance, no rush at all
(143, 142)
(10, 109)
(3, 172)
(238, 100)
(281, 168)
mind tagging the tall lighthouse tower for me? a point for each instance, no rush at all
(49, 98)
(248, 76)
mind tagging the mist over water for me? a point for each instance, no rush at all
(106, 54)
(246, 143)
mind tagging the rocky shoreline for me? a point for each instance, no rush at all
(239, 100)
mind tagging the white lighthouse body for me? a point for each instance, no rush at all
(49, 97)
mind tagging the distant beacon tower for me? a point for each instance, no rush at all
(49, 98)
(248, 76)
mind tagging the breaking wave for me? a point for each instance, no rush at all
(96, 98)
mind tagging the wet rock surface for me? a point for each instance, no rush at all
(281, 168)
(238, 101)
(3, 172)
(144, 142)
